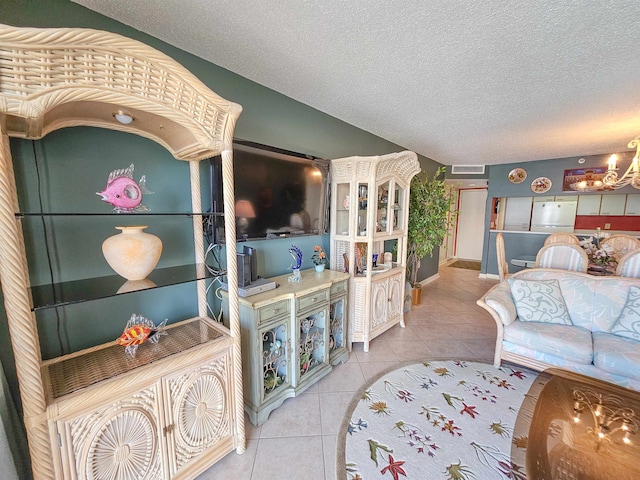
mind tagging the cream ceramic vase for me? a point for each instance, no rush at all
(132, 254)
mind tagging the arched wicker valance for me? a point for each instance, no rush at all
(54, 78)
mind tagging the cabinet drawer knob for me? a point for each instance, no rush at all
(168, 430)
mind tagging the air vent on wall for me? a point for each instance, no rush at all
(467, 169)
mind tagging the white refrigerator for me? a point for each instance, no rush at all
(554, 216)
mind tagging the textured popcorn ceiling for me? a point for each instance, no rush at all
(460, 81)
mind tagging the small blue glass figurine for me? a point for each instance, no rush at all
(296, 253)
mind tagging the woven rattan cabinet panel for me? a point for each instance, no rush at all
(167, 429)
(123, 435)
(171, 411)
(199, 414)
(369, 211)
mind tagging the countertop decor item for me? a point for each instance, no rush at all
(517, 175)
(601, 256)
(133, 254)
(123, 192)
(296, 254)
(319, 256)
(541, 185)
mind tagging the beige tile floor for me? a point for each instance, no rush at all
(298, 441)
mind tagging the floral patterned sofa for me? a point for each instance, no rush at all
(572, 320)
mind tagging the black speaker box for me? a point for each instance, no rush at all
(244, 269)
(252, 252)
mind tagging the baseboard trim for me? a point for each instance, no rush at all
(430, 279)
(490, 276)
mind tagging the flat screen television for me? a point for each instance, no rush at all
(278, 193)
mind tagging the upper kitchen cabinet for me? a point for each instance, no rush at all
(589, 204)
(633, 204)
(613, 204)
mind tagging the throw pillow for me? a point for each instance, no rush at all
(539, 301)
(628, 323)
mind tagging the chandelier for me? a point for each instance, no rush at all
(631, 176)
(611, 422)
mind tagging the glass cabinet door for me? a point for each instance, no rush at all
(343, 207)
(312, 347)
(363, 203)
(275, 358)
(382, 208)
(397, 208)
(337, 330)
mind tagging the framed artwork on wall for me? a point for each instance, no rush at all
(585, 180)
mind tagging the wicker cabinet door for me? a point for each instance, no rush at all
(199, 411)
(120, 441)
(396, 296)
(379, 303)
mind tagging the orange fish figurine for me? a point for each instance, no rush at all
(138, 330)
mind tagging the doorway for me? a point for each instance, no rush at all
(470, 223)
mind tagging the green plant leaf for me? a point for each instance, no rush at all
(430, 205)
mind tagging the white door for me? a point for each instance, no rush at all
(470, 230)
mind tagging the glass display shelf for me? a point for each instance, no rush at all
(73, 372)
(114, 214)
(379, 269)
(77, 291)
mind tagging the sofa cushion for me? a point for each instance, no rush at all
(539, 301)
(628, 323)
(564, 341)
(499, 298)
(616, 354)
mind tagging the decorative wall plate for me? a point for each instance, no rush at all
(517, 175)
(541, 185)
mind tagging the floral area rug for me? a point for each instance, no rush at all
(437, 420)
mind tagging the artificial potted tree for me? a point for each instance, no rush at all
(428, 224)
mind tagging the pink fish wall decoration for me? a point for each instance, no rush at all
(123, 192)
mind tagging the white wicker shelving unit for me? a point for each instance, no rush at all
(369, 210)
(177, 409)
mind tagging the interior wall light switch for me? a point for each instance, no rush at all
(607, 226)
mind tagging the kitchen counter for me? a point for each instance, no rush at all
(581, 233)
